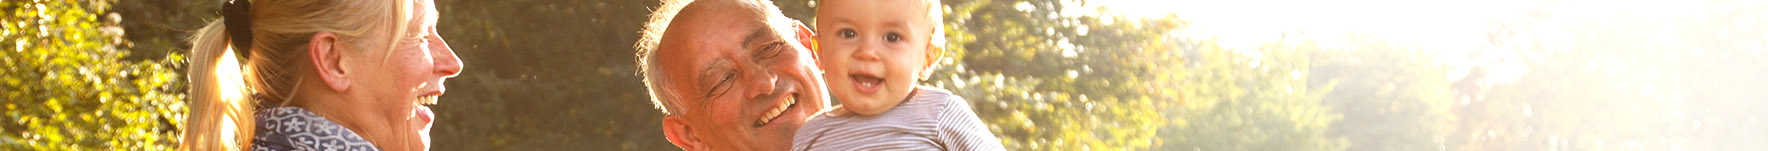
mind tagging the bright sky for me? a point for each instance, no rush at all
(1459, 27)
(1240, 23)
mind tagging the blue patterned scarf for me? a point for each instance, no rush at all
(293, 128)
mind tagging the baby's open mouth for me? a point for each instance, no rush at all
(866, 83)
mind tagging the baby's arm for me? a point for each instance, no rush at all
(961, 130)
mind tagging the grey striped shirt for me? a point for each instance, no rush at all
(933, 119)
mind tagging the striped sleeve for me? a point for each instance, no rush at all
(933, 119)
(960, 129)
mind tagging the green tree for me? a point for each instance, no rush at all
(1049, 79)
(1006, 61)
(1392, 98)
(1248, 100)
(66, 87)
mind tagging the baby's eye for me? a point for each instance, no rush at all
(892, 37)
(847, 33)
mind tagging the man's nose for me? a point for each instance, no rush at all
(761, 85)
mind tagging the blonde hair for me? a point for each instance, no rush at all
(224, 92)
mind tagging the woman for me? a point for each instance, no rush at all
(317, 74)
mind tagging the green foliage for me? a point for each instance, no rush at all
(1036, 98)
(65, 86)
(1392, 99)
(1044, 80)
(1248, 100)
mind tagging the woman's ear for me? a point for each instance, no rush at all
(807, 38)
(680, 133)
(328, 61)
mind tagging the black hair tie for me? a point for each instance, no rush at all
(238, 16)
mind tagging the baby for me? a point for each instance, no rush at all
(873, 52)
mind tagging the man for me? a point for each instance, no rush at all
(729, 74)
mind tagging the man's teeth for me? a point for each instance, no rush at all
(775, 113)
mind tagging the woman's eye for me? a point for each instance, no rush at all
(892, 37)
(847, 33)
(422, 39)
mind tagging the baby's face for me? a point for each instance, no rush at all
(873, 50)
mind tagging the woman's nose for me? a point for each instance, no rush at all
(447, 63)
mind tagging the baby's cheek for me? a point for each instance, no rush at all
(902, 81)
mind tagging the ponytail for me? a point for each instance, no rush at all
(252, 56)
(220, 111)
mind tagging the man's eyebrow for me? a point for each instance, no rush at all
(757, 34)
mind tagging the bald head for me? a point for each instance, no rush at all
(671, 14)
(729, 74)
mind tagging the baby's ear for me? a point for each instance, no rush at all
(806, 38)
(935, 53)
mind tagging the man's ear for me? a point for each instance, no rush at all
(808, 38)
(680, 134)
(934, 55)
(328, 61)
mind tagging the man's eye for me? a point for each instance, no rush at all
(847, 33)
(892, 37)
(770, 51)
(719, 88)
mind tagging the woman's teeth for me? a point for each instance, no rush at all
(775, 113)
(427, 100)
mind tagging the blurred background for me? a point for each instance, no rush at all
(1044, 74)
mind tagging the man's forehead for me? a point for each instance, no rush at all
(705, 33)
(711, 25)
